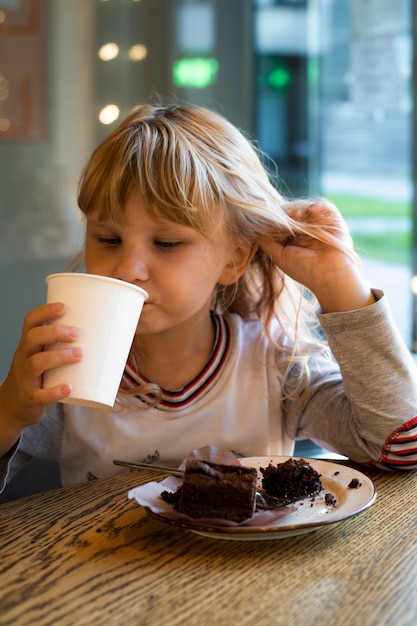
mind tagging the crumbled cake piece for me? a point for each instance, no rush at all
(293, 479)
(330, 499)
(354, 484)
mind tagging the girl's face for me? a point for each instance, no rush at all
(175, 264)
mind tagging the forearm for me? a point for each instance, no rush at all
(42, 440)
(357, 412)
(10, 428)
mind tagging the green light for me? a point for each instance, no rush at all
(279, 78)
(196, 73)
(313, 71)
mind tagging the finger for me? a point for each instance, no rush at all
(41, 362)
(316, 211)
(55, 394)
(276, 249)
(43, 314)
(322, 221)
(271, 247)
(39, 337)
(39, 397)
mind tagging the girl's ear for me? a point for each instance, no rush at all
(240, 257)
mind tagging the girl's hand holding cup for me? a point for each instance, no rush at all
(23, 387)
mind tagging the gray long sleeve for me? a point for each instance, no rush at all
(378, 391)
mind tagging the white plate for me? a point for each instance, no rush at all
(310, 513)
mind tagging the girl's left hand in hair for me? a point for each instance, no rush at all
(331, 272)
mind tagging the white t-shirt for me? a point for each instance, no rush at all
(235, 405)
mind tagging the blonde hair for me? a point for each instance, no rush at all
(193, 167)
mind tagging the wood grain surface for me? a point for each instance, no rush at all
(87, 555)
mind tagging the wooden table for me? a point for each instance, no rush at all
(87, 555)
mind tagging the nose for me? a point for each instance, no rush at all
(132, 267)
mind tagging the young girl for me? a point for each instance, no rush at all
(227, 351)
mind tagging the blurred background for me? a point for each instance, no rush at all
(326, 87)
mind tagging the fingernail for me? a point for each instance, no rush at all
(77, 352)
(72, 332)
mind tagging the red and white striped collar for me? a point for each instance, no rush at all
(200, 385)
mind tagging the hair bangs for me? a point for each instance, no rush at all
(175, 180)
(164, 165)
(107, 181)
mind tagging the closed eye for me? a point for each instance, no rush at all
(109, 241)
(167, 245)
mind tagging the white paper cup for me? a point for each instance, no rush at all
(106, 312)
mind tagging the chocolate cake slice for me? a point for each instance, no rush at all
(212, 490)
